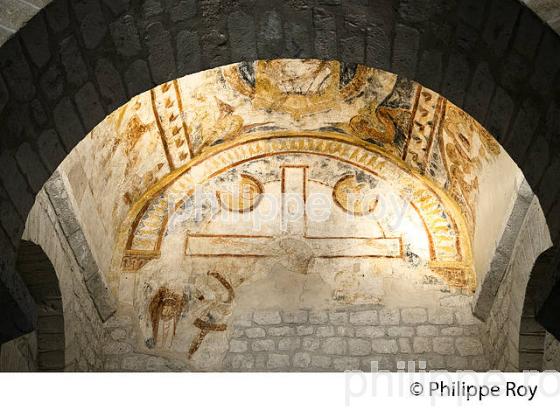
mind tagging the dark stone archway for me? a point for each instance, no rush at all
(40, 278)
(536, 315)
(75, 62)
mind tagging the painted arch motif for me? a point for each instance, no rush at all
(448, 245)
(379, 128)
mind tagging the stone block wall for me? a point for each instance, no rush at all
(351, 339)
(503, 326)
(118, 348)
(359, 338)
(446, 338)
(82, 324)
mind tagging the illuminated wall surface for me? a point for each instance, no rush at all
(292, 214)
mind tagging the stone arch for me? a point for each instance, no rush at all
(515, 339)
(40, 278)
(150, 217)
(47, 230)
(532, 334)
(49, 99)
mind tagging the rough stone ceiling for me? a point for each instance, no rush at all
(15, 13)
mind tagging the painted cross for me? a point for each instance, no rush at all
(293, 225)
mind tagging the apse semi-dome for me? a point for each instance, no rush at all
(272, 211)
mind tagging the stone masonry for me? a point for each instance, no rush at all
(351, 339)
(118, 349)
(493, 58)
(83, 327)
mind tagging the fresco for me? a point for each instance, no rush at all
(349, 183)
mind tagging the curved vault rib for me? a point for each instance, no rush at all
(450, 244)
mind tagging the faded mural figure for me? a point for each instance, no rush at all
(394, 163)
(209, 301)
(166, 309)
(212, 300)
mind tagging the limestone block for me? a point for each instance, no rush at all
(255, 332)
(334, 345)
(101, 296)
(318, 317)
(404, 345)
(237, 332)
(276, 361)
(402, 331)
(370, 331)
(311, 344)
(452, 331)
(338, 318)
(260, 360)
(359, 347)
(384, 346)
(281, 331)
(296, 317)
(267, 318)
(264, 345)
(325, 331)
(304, 330)
(388, 316)
(302, 360)
(289, 343)
(440, 316)
(422, 345)
(241, 361)
(82, 252)
(58, 197)
(444, 345)
(366, 317)
(426, 330)
(345, 331)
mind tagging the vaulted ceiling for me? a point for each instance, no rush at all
(16, 13)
